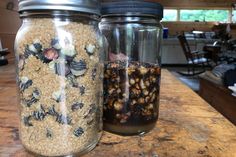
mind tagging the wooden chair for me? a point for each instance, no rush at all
(195, 59)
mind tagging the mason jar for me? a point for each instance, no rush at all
(59, 73)
(132, 65)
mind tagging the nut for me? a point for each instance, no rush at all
(143, 70)
(145, 92)
(142, 85)
(118, 106)
(132, 81)
(141, 100)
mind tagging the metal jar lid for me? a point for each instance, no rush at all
(84, 6)
(132, 7)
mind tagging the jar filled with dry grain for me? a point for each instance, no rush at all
(59, 72)
(132, 66)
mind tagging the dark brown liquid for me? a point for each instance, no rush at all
(131, 94)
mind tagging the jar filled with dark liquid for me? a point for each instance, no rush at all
(132, 66)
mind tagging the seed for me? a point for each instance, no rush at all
(50, 54)
(143, 70)
(78, 68)
(55, 44)
(145, 92)
(142, 85)
(92, 110)
(68, 50)
(48, 133)
(61, 119)
(141, 100)
(77, 106)
(118, 106)
(150, 106)
(39, 115)
(72, 81)
(82, 90)
(78, 132)
(132, 81)
(30, 102)
(52, 111)
(90, 49)
(21, 62)
(58, 96)
(36, 94)
(38, 47)
(62, 68)
(25, 83)
(94, 73)
(26, 121)
(147, 83)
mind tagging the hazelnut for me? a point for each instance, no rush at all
(130, 71)
(137, 86)
(142, 85)
(118, 106)
(143, 70)
(145, 92)
(111, 91)
(147, 83)
(154, 79)
(147, 99)
(150, 106)
(141, 100)
(132, 81)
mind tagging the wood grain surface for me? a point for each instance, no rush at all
(187, 127)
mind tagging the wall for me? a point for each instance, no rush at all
(9, 24)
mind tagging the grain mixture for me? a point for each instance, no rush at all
(60, 83)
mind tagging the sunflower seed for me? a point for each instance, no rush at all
(62, 69)
(63, 119)
(39, 115)
(55, 44)
(48, 133)
(26, 121)
(58, 96)
(78, 132)
(52, 111)
(30, 102)
(92, 110)
(25, 83)
(36, 94)
(94, 73)
(77, 106)
(90, 49)
(78, 68)
(82, 90)
(21, 62)
(72, 81)
(68, 50)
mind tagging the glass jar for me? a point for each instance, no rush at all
(59, 73)
(132, 66)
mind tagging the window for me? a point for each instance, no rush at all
(170, 15)
(234, 16)
(204, 15)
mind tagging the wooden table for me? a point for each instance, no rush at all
(188, 126)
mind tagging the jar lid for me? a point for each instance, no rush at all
(84, 6)
(135, 7)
